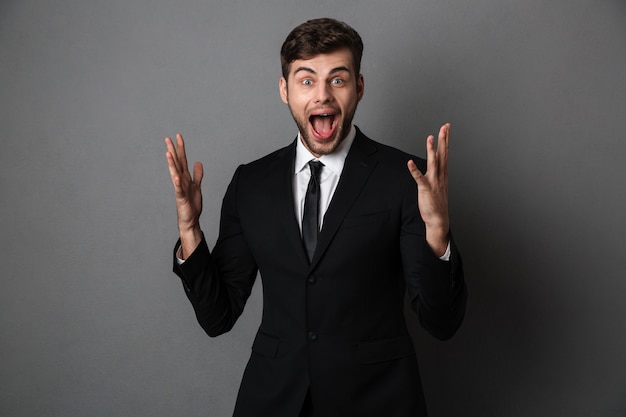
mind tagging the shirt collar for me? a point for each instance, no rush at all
(333, 161)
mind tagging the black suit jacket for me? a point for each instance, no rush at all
(334, 325)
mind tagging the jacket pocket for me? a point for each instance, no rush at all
(265, 345)
(385, 350)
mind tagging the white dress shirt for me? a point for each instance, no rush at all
(329, 175)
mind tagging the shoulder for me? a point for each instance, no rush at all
(276, 160)
(385, 155)
(266, 171)
(283, 154)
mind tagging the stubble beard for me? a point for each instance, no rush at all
(330, 145)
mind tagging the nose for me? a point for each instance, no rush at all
(323, 93)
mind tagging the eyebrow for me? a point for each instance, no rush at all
(312, 71)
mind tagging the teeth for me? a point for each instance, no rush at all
(324, 115)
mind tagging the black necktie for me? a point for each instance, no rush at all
(310, 218)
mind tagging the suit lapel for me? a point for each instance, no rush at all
(356, 171)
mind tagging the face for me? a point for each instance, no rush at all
(322, 94)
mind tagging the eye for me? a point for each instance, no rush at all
(336, 81)
(307, 82)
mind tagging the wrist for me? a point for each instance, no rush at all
(190, 238)
(438, 240)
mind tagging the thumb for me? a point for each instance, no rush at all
(414, 170)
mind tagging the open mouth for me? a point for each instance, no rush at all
(323, 125)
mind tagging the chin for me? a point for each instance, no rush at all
(326, 147)
(321, 147)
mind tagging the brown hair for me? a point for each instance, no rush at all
(320, 36)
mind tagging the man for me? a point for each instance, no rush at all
(335, 253)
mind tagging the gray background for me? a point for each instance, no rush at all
(93, 323)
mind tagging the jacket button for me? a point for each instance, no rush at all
(311, 279)
(312, 336)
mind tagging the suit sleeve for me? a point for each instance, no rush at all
(436, 288)
(218, 284)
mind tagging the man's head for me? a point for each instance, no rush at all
(321, 81)
(320, 36)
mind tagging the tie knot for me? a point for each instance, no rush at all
(316, 168)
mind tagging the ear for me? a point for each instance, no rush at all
(282, 86)
(360, 87)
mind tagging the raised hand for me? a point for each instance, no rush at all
(432, 195)
(188, 194)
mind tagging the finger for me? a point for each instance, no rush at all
(431, 156)
(442, 149)
(171, 150)
(414, 170)
(198, 173)
(182, 155)
(174, 173)
(443, 140)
